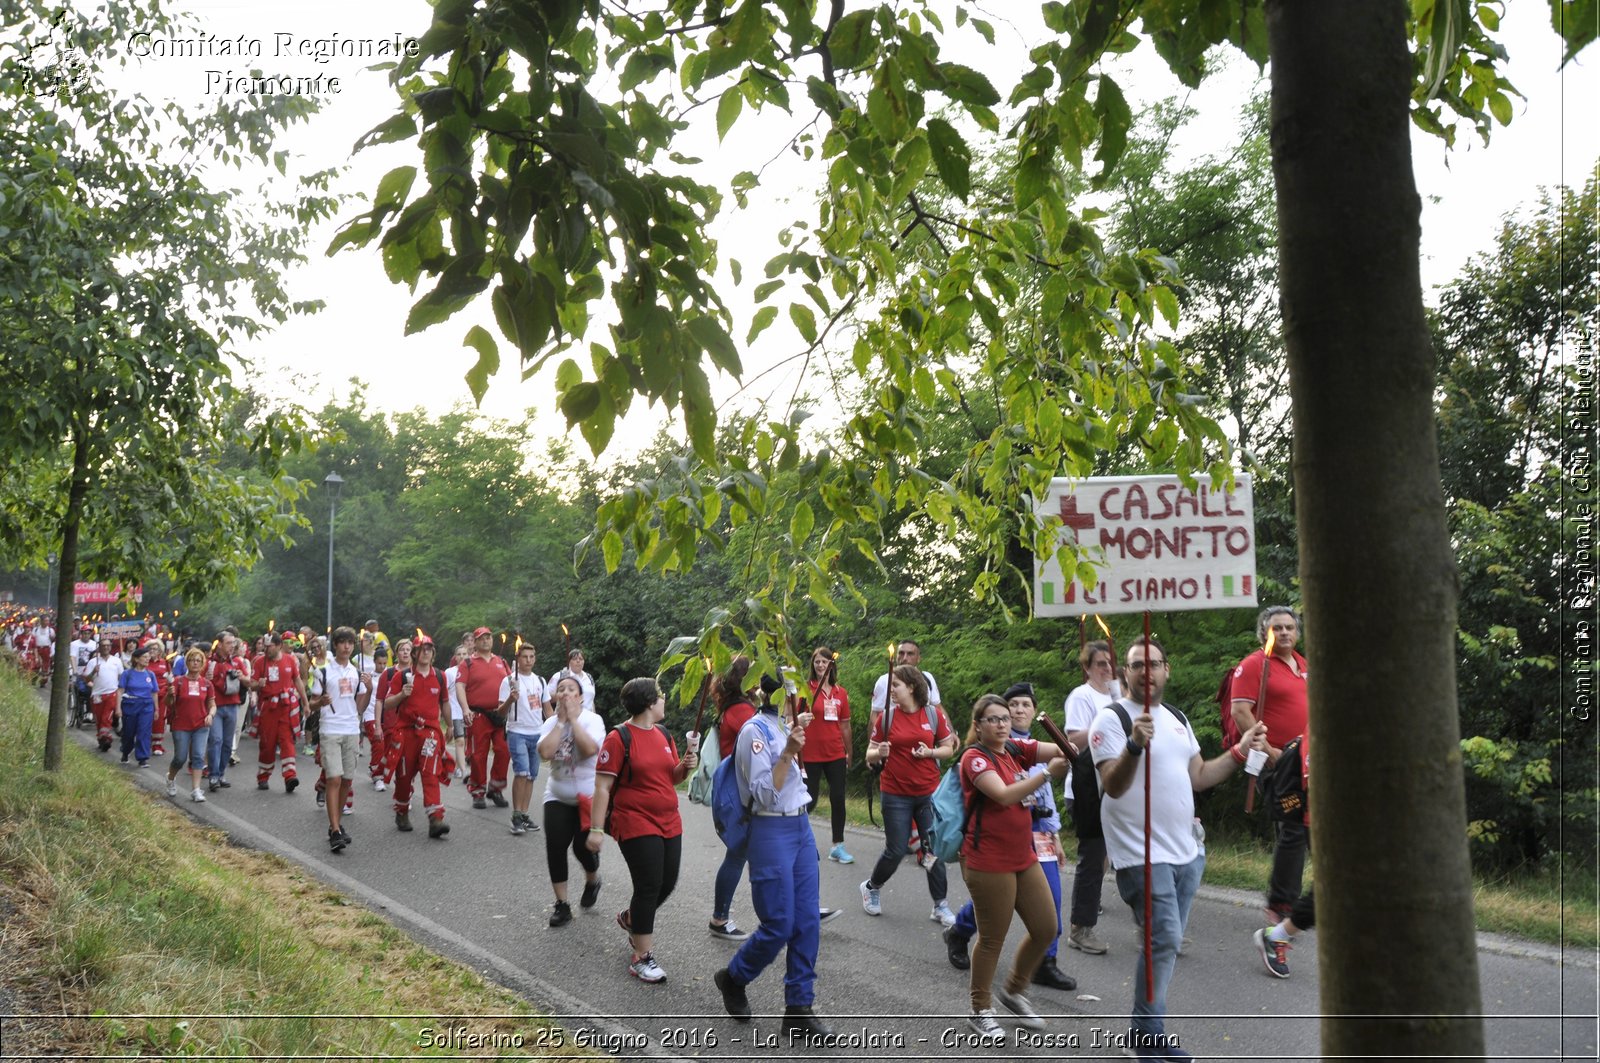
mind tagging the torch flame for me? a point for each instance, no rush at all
(420, 634)
(564, 630)
(519, 643)
(1103, 626)
(271, 624)
(1272, 642)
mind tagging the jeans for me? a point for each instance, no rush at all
(1172, 888)
(221, 740)
(898, 813)
(1288, 864)
(524, 754)
(189, 749)
(1087, 881)
(728, 878)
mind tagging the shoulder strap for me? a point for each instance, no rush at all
(933, 720)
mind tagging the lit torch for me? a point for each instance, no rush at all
(1261, 702)
(566, 641)
(1111, 643)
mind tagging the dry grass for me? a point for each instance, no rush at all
(123, 906)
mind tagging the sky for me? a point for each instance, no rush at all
(361, 333)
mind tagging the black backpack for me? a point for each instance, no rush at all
(1086, 777)
(1283, 786)
(625, 736)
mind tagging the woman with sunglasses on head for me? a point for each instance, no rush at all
(1000, 863)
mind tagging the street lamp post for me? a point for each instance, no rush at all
(334, 481)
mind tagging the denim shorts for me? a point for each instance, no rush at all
(524, 754)
(189, 747)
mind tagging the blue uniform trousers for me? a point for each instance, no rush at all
(784, 886)
(137, 719)
(967, 923)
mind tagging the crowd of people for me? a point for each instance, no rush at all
(493, 721)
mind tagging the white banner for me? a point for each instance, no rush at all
(1163, 546)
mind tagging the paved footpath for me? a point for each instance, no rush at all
(482, 896)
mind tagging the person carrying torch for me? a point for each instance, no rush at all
(1270, 686)
(1128, 760)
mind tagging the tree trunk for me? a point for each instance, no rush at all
(60, 673)
(1394, 884)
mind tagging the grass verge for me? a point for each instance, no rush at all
(114, 904)
(1530, 906)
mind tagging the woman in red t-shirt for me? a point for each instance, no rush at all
(191, 703)
(999, 863)
(734, 709)
(917, 737)
(641, 781)
(827, 748)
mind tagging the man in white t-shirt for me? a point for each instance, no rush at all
(910, 654)
(458, 709)
(1083, 793)
(522, 700)
(1122, 756)
(103, 674)
(79, 651)
(341, 692)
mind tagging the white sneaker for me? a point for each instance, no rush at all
(870, 902)
(198, 795)
(172, 787)
(646, 969)
(378, 785)
(989, 1031)
(942, 914)
(1022, 1008)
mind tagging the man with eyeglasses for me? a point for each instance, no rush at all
(1122, 740)
(1083, 788)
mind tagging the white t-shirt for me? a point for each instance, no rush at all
(1171, 790)
(458, 711)
(1079, 711)
(526, 717)
(569, 776)
(80, 650)
(44, 637)
(104, 679)
(880, 692)
(585, 680)
(340, 716)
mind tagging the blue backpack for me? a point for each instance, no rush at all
(951, 815)
(731, 811)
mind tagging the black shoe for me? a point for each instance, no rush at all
(345, 835)
(322, 799)
(801, 1024)
(955, 947)
(499, 799)
(125, 758)
(733, 997)
(478, 802)
(402, 820)
(336, 841)
(289, 785)
(225, 784)
(591, 893)
(562, 915)
(1050, 976)
(263, 785)
(437, 828)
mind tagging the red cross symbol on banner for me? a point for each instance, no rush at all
(1071, 518)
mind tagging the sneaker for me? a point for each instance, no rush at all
(172, 787)
(1083, 939)
(290, 784)
(728, 931)
(336, 840)
(625, 921)
(561, 915)
(955, 949)
(145, 763)
(346, 835)
(516, 824)
(225, 784)
(591, 893)
(498, 799)
(322, 799)
(942, 914)
(215, 787)
(1022, 1008)
(828, 915)
(927, 859)
(198, 795)
(646, 969)
(378, 785)
(871, 903)
(733, 996)
(1275, 954)
(988, 1029)
(349, 810)
(527, 821)
(233, 761)
(839, 856)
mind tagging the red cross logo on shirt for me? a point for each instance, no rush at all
(1071, 518)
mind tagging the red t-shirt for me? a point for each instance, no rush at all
(1002, 839)
(644, 798)
(190, 695)
(1285, 714)
(423, 704)
(733, 719)
(905, 775)
(825, 736)
(277, 676)
(217, 671)
(482, 679)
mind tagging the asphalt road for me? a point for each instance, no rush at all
(482, 897)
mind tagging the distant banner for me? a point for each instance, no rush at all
(101, 592)
(1165, 547)
(120, 629)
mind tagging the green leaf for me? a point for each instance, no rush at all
(1111, 108)
(758, 324)
(728, 111)
(886, 103)
(394, 188)
(804, 320)
(1033, 176)
(488, 363)
(1500, 107)
(851, 42)
(801, 523)
(715, 341)
(951, 157)
(611, 549)
(966, 85)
